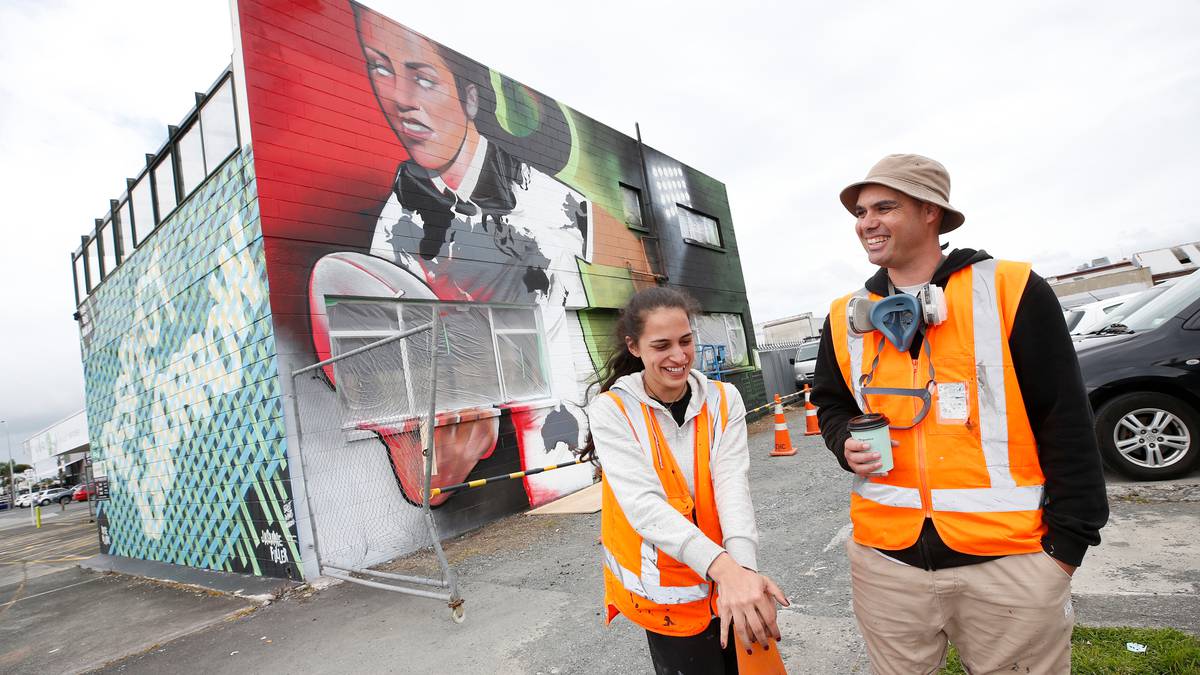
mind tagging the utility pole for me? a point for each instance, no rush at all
(12, 478)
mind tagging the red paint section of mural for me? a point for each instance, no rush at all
(460, 440)
(545, 436)
(325, 158)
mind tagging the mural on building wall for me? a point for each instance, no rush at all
(183, 405)
(392, 167)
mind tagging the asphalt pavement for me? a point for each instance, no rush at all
(533, 589)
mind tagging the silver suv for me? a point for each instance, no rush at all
(805, 362)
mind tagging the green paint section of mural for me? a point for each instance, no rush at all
(606, 285)
(184, 406)
(594, 172)
(517, 110)
(599, 326)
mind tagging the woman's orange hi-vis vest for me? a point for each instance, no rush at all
(979, 480)
(649, 587)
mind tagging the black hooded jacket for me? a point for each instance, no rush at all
(1075, 503)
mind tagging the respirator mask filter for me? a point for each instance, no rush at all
(898, 317)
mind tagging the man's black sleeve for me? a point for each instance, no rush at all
(835, 403)
(1047, 370)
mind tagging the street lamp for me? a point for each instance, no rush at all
(12, 478)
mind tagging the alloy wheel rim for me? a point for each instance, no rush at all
(1152, 438)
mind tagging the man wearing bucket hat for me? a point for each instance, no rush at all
(968, 528)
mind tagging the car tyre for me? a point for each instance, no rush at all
(65, 500)
(1148, 435)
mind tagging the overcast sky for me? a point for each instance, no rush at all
(1069, 128)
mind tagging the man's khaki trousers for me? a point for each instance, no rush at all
(1010, 615)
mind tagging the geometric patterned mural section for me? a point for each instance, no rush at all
(183, 395)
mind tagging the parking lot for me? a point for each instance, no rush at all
(66, 537)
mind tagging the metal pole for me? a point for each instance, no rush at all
(431, 425)
(12, 476)
(373, 345)
(661, 275)
(89, 481)
(307, 477)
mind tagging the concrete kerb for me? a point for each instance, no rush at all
(259, 590)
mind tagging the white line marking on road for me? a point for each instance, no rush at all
(838, 537)
(55, 590)
(841, 536)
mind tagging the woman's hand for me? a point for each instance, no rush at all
(747, 600)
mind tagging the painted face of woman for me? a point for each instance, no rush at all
(667, 349)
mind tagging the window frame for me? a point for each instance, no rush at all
(165, 156)
(79, 265)
(226, 78)
(88, 246)
(637, 192)
(194, 126)
(105, 238)
(537, 330)
(148, 178)
(719, 246)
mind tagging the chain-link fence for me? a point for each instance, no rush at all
(378, 389)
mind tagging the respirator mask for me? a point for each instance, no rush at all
(899, 318)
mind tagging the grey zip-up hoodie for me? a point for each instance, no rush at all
(635, 484)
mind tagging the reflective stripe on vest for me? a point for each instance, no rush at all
(1004, 494)
(649, 585)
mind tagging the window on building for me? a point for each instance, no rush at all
(142, 199)
(631, 201)
(164, 186)
(486, 355)
(191, 159)
(81, 289)
(90, 265)
(108, 248)
(126, 230)
(219, 120)
(698, 227)
(720, 342)
(519, 353)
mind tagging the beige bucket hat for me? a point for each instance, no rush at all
(916, 176)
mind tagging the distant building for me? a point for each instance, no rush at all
(60, 450)
(1102, 279)
(796, 328)
(1174, 261)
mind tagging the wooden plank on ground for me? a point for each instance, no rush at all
(586, 500)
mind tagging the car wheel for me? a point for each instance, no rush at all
(65, 500)
(1148, 436)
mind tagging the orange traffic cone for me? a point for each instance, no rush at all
(783, 441)
(811, 428)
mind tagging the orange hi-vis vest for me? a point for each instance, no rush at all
(649, 587)
(978, 478)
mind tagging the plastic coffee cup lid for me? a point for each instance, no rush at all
(867, 422)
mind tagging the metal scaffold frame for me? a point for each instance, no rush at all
(449, 581)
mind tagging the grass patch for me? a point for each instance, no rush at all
(1102, 651)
